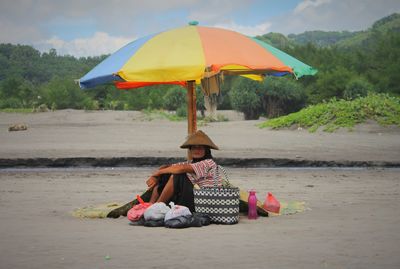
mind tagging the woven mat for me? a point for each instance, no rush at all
(95, 211)
(101, 211)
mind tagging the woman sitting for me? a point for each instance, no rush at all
(175, 182)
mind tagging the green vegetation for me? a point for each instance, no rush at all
(385, 25)
(245, 98)
(162, 114)
(277, 40)
(321, 38)
(16, 110)
(341, 113)
(153, 114)
(344, 39)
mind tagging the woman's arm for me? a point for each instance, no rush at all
(174, 169)
(153, 181)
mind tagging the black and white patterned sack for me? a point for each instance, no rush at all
(220, 203)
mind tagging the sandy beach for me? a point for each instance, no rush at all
(352, 217)
(72, 133)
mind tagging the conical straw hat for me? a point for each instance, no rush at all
(199, 138)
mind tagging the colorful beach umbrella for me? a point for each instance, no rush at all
(189, 54)
(186, 55)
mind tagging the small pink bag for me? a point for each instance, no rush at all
(271, 204)
(137, 211)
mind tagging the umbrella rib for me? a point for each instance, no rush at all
(250, 72)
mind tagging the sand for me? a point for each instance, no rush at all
(352, 220)
(71, 133)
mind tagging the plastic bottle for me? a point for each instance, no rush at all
(252, 212)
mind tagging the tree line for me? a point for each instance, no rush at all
(350, 65)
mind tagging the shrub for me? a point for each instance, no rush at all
(244, 98)
(357, 87)
(341, 113)
(174, 98)
(281, 95)
(182, 111)
(12, 102)
(63, 93)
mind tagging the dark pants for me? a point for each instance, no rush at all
(183, 190)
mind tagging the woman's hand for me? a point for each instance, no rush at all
(152, 182)
(157, 173)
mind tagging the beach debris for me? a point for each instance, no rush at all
(18, 127)
(107, 257)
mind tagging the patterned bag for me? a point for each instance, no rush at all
(220, 203)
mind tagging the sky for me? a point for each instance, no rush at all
(93, 27)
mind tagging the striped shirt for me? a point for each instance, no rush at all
(204, 172)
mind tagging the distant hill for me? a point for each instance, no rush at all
(277, 40)
(322, 38)
(387, 24)
(343, 39)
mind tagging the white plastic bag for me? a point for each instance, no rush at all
(156, 211)
(177, 211)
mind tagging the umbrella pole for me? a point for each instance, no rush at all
(192, 117)
(191, 110)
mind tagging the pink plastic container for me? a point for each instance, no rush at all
(252, 212)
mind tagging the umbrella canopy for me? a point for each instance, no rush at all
(192, 53)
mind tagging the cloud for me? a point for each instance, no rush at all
(254, 30)
(211, 12)
(337, 15)
(11, 33)
(117, 17)
(102, 26)
(100, 43)
(309, 4)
